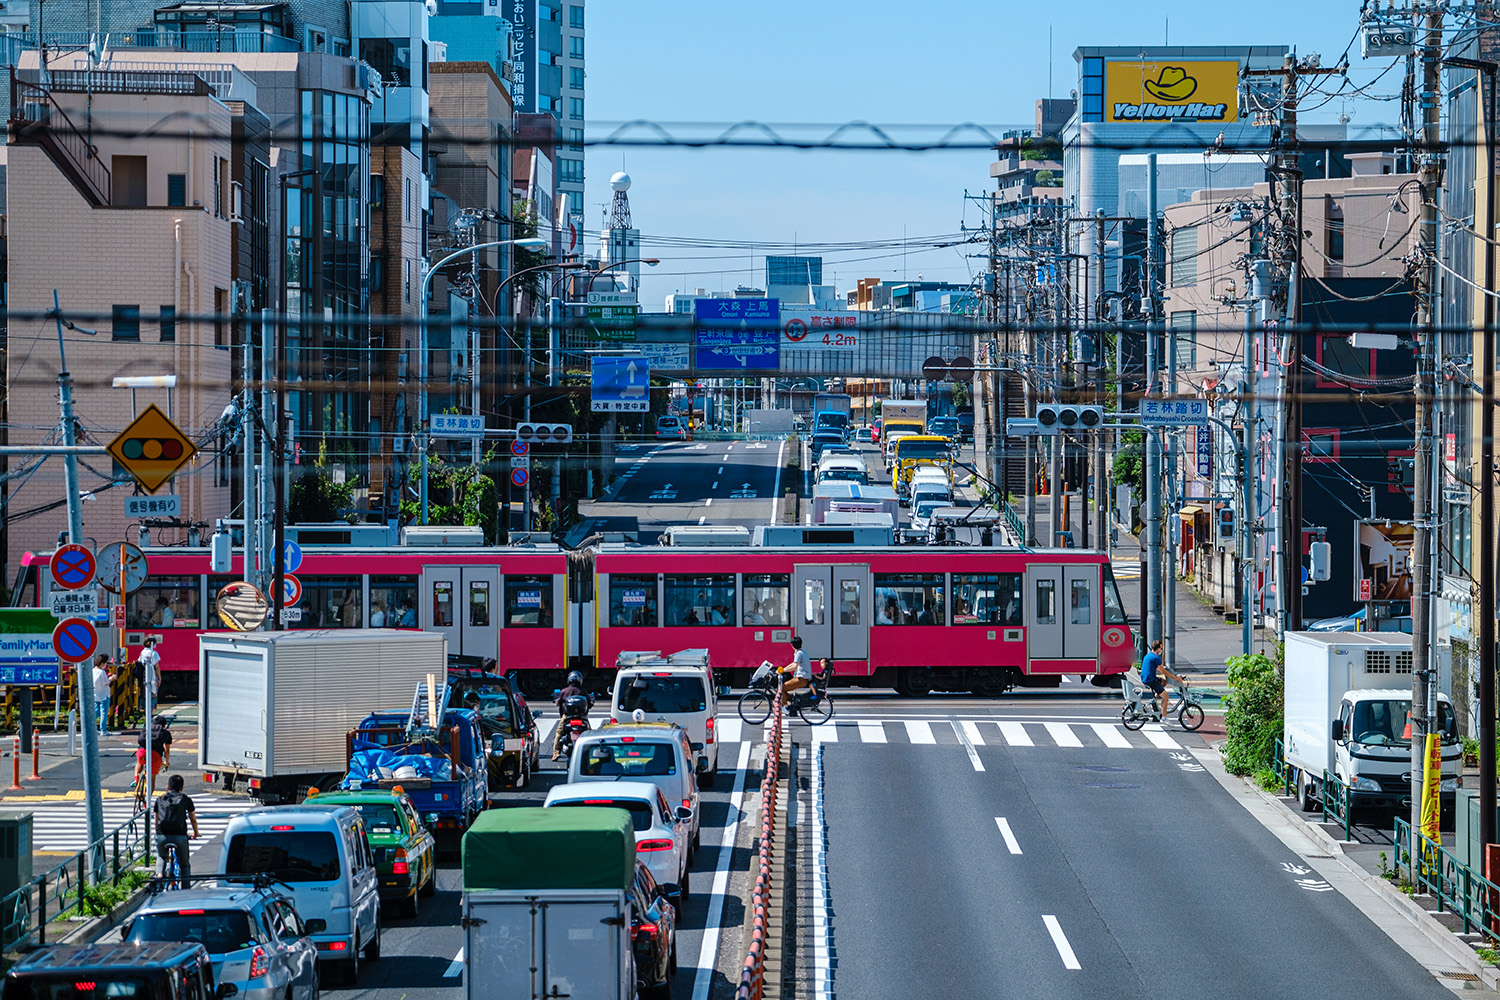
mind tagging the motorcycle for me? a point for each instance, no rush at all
(574, 722)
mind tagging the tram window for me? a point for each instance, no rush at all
(479, 602)
(766, 598)
(909, 599)
(849, 602)
(1114, 611)
(528, 602)
(393, 602)
(332, 602)
(211, 617)
(698, 599)
(1046, 602)
(986, 599)
(442, 603)
(1080, 603)
(164, 602)
(632, 600)
(813, 602)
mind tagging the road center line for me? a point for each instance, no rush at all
(715, 485)
(963, 737)
(1010, 838)
(1070, 960)
(709, 953)
(700, 521)
(455, 967)
(709, 502)
(720, 472)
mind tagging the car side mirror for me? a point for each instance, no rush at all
(696, 746)
(684, 813)
(670, 891)
(537, 713)
(314, 925)
(227, 990)
(702, 765)
(1337, 731)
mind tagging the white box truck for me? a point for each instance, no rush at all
(1347, 702)
(545, 908)
(274, 708)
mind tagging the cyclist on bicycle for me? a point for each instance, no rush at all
(801, 671)
(1152, 668)
(173, 812)
(161, 750)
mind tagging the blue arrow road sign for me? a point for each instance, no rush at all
(293, 557)
(620, 384)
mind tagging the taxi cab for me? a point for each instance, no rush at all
(404, 849)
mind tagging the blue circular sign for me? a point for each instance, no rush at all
(519, 477)
(520, 449)
(75, 640)
(292, 556)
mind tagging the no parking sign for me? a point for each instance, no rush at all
(519, 477)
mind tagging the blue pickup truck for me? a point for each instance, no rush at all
(443, 769)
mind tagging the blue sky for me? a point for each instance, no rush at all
(935, 63)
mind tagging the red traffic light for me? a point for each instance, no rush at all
(151, 449)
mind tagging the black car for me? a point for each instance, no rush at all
(508, 723)
(653, 932)
(155, 971)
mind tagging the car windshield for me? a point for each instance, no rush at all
(493, 708)
(636, 759)
(663, 695)
(843, 476)
(922, 449)
(73, 987)
(379, 817)
(219, 931)
(1377, 723)
(926, 509)
(290, 855)
(640, 812)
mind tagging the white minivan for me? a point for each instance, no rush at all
(678, 688)
(320, 854)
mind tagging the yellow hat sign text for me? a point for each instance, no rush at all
(1171, 91)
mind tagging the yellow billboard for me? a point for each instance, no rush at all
(1171, 90)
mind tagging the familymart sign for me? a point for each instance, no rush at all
(26, 653)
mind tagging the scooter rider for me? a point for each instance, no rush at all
(574, 689)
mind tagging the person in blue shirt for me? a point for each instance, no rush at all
(1152, 669)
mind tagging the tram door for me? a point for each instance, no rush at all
(831, 609)
(463, 603)
(1062, 612)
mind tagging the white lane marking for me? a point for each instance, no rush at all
(1111, 735)
(1010, 838)
(827, 733)
(776, 489)
(729, 730)
(720, 473)
(709, 953)
(871, 732)
(1062, 734)
(714, 487)
(455, 967)
(919, 732)
(1015, 734)
(822, 943)
(969, 746)
(1070, 960)
(971, 733)
(1159, 738)
(709, 502)
(700, 521)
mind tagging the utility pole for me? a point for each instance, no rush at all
(1152, 605)
(1101, 480)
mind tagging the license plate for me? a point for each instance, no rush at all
(516, 745)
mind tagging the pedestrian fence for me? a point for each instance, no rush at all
(66, 889)
(1333, 794)
(1458, 889)
(753, 973)
(124, 699)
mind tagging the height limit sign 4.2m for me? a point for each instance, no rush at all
(620, 385)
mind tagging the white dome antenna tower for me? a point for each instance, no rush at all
(619, 210)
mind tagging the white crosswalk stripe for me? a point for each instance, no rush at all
(919, 732)
(62, 827)
(1015, 734)
(871, 732)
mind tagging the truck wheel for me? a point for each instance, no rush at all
(1307, 793)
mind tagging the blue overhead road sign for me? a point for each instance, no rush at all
(620, 384)
(737, 334)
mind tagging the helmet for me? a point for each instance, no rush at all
(574, 677)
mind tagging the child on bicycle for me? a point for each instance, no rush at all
(173, 813)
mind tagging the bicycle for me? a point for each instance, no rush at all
(171, 875)
(755, 704)
(1142, 705)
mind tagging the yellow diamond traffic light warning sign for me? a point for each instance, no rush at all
(152, 448)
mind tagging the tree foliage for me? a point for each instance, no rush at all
(1252, 713)
(314, 497)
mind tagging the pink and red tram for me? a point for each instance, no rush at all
(916, 618)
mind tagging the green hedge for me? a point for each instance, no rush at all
(1252, 713)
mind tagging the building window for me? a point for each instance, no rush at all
(575, 77)
(1335, 239)
(128, 177)
(1185, 256)
(377, 191)
(546, 102)
(221, 322)
(575, 46)
(218, 189)
(406, 280)
(167, 320)
(176, 190)
(575, 16)
(390, 57)
(575, 139)
(575, 108)
(1185, 326)
(377, 273)
(125, 322)
(570, 171)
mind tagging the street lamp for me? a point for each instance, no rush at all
(648, 261)
(525, 243)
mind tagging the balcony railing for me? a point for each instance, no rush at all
(37, 120)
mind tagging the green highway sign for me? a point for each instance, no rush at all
(614, 323)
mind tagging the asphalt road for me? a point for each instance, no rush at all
(1118, 871)
(686, 482)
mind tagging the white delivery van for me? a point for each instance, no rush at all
(322, 857)
(678, 688)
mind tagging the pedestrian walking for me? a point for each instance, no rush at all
(148, 675)
(102, 680)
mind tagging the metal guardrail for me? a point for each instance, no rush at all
(1284, 773)
(1335, 798)
(753, 974)
(1455, 886)
(25, 913)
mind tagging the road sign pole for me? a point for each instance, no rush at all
(92, 785)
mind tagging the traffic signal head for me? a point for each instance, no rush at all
(1053, 419)
(544, 433)
(1226, 523)
(1321, 554)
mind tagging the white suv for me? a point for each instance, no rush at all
(677, 688)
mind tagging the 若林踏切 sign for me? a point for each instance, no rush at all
(737, 334)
